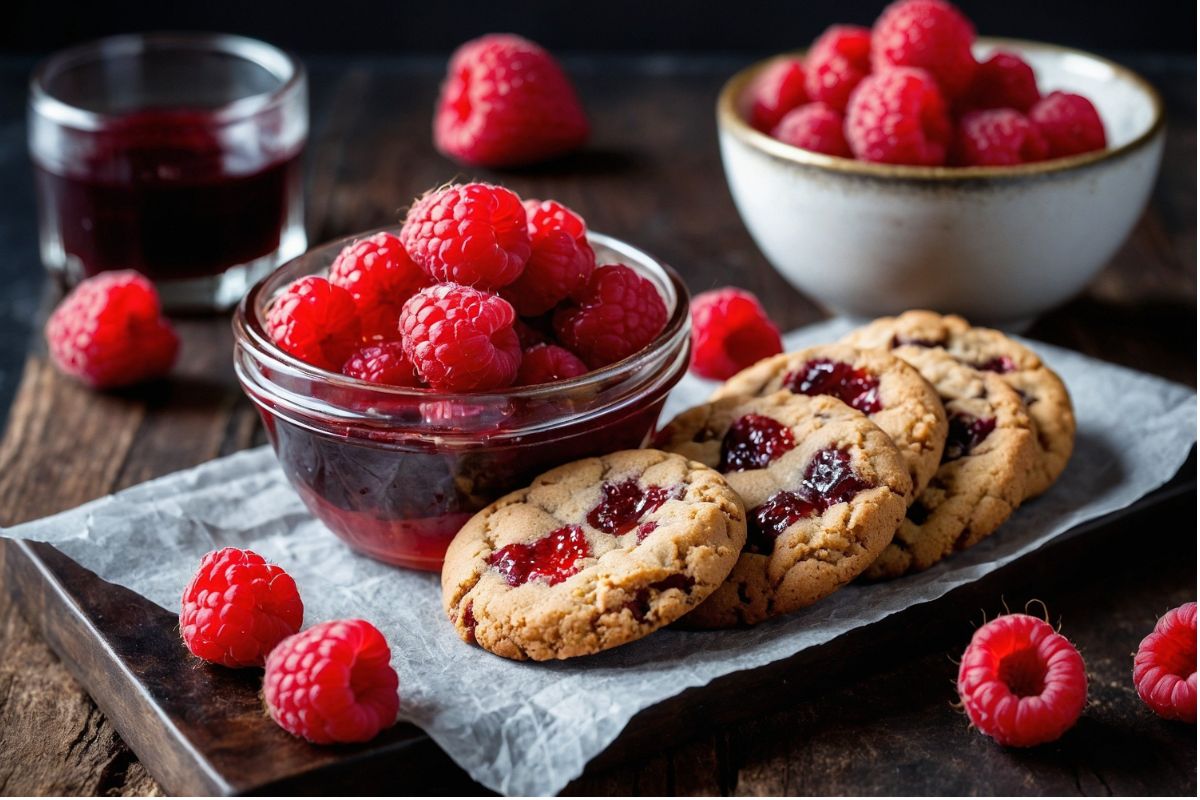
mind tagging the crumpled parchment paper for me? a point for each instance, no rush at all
(530, 728)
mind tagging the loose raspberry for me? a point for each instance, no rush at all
(1070, 124)
(776, 91)
(379, 276)
(316, 322)
(1003, 81)
(461, 339)
(561, 261)
(110, 332)
(544, 363)
(384, 363)
(999, 137)
(332, 683)
(618, 313)
(898, 117)
(1021, 682)
(730, 331)
(930, 34)
(1164, 669)
(506, 102)
(837, 62)
(237, 608)
(474, 234)
(815, 127)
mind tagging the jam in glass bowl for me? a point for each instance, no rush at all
(394, 471)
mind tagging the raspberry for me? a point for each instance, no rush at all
(461, 339)
(838, 60)
(930, 34)
(997, 138)
(898, 117)
(544, 363)
(815, 127)
(531, 332)
(730, 331)
(776, 91)
(1164, 669)
(1022, 683)
(379, 276)
(384, 363)
(316, 322)
(618, 313)
(332, 683)
(1070, 124)
(110, 332)
(561, 261)
(475, 234)
(506, 102)
(1003, 81)
(237, 608)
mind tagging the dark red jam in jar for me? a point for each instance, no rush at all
(396, 472)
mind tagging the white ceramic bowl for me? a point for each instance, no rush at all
(997, 244)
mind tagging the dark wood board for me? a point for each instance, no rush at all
(869, 713)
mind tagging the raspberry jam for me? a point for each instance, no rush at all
(828, 480)
(753, 442)
(552, 558)
(965, 434)
(625, 505)
(856, 388)
(1000, 364)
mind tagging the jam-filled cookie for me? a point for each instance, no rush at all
(592, 555)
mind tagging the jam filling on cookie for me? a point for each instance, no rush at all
(639, 606)
(626, 504)
(828, 480)
(551, 558)
(1001, 364)
(856, 388)
(965, 434)
(753, 442)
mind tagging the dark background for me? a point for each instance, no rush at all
(1154, 36)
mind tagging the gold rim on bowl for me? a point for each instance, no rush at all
(729, 119)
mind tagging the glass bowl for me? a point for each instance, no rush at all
(395, 472)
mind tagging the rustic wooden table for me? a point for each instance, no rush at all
(878, 722)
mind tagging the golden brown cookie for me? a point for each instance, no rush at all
(1046, 398)
(592, 555)
(891, 393)
(988, 456)
(824, 489)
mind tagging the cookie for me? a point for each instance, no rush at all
(824, 490)
(1045, 396)
(988, 456)
(592, 555)
(891, 393)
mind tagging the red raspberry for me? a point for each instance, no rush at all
(1003, 81)
(316, 322)
(777, 90)
(461, 339)
(544, 363)
(730, 331)
(561, 261)
(506, 102)
(836, 63)
(930, 34)
(815, 127)
(999, 137)
(474, 234)
(530, 334)
(384, 363)
(1164, 669)
(1070, 124)
(110, 332)
(237, 608)
(618, 313)
(1021, 682)
(379, 276)
(898, 117)
(332, 683)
